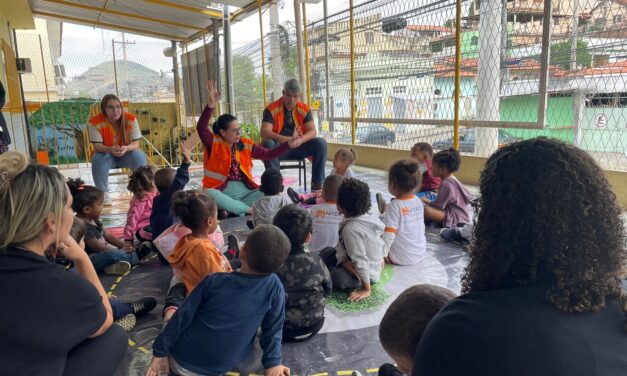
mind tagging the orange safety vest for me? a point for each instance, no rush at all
(107, 130)
(298, 114)
(218, 163)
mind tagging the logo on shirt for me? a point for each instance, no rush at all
(404, 211)
(321, 214)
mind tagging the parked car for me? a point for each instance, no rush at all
(371, 135)
(467, 141)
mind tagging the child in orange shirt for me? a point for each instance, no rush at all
(194, 257)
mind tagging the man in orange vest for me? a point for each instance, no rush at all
(286, 117)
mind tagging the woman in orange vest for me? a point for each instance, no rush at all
(115, 135)
(228, 161)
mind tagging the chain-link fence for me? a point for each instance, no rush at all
(70, 74)
(404, 66)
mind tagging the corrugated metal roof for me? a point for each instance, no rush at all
(167, 19)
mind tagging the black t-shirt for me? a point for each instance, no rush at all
(516, 332)
(94, 232)
(45, 312)
(288, 120)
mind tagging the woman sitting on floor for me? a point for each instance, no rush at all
(53, 322)
(228, 162)
(543, 291)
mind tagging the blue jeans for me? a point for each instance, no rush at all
(316, 148)
(101, 163)
(103, 259)
(119, 309)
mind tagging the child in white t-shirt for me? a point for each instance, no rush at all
(343, 159)
(404, 235)
(326, 217)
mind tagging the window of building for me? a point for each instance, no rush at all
(399, 89)
(374, 91)
(618, 18)
(369, 37)
(474, 41)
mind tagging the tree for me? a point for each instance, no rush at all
(560, 54)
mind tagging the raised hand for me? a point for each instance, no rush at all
(185, 150)
(213, 94)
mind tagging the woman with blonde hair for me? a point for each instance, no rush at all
(53, 322)
(115, 135)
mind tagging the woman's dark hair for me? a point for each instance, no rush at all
(222, 123)
(405, 175)
(141, 180)
(295, 223)
(83, 195)
(548, 215)
(354, 197)
(122, 130)
(193, 208)
(449, 159)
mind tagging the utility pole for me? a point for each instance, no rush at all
(488, 77)
(277, 68)
(299, 42)
(125, 77)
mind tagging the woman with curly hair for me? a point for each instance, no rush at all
(543, 289)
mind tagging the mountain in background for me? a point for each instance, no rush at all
(136, 82)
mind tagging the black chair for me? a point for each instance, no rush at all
(290, 164)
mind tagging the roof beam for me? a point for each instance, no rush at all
(187, 8)
(248, 8)
(124, 14)
(111, 26)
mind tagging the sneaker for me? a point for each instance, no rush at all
(143, 305)
(380, 202)
(107, 200)
(233, 243)
(451, 234)
(143, 249)
(250, 224)
(127, 322)
(119, 268)
(388, 369)
(294, 196)
(356, 373)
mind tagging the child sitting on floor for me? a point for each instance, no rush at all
(304, 275)
(194, 257)
(107, 253)
(404, 236)
(142, 185)
(124, 314)
(216, 326)
(326, 217)
(357, 260)
(451, 206)
(168, 182)
(423, 153)
(404, 322)
(272, 200)
(342, 161)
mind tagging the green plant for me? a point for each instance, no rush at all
(251, 131)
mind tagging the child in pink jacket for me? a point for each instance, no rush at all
(142, 185)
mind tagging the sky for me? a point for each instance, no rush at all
(84, 46)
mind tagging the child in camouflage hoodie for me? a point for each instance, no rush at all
(304, 275)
